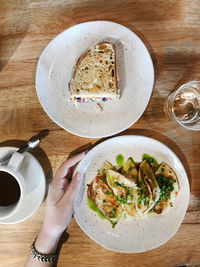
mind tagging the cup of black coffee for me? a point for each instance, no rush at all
(12, 186)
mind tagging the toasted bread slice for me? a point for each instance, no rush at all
(94, 75)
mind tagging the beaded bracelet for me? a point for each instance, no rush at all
(42, 257)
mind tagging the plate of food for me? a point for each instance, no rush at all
(95, 79)
(134, 195)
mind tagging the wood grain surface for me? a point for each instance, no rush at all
(171, 31)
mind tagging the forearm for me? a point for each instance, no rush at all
(59, 210)
(46, 243)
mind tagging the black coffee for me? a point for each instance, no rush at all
(9, 189)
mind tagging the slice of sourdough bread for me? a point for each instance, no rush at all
(94, 75)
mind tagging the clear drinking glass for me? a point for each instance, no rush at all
(183, 105)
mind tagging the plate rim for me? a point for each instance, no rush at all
(60, 34)
(187, 182)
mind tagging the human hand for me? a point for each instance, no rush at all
(59, 208)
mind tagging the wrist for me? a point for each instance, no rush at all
(47, 241)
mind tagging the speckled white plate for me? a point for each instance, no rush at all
(133, 235)
(135, 72)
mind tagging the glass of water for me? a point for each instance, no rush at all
(183, 105)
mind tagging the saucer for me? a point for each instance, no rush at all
(33, 173)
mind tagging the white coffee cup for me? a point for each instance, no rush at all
(13, 168)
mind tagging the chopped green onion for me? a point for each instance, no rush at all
(122, 200)
(138, 191)
(113, 211)
(146, 201)
(109, 193)
(140, 200)
(118, 184)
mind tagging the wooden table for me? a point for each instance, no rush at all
(171, 31)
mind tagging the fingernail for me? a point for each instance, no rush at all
(84, 152)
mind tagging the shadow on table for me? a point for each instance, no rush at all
(15, 23)
(191, 73)
(80, 149)
(147, 44)
(157, 101)
(163, 139)
(37, 152)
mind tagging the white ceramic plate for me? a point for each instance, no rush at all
(134, 235)
(33, 172)
(135, 73)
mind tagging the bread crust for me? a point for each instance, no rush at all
(80, 59)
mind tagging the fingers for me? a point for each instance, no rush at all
(57, 188)
(73, 186)
(66, 165)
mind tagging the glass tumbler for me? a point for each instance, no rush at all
(183, 105)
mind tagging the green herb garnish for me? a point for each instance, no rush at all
(113, 223)
(129, 190)
(140, 200)
(122, 200)
(92, 207)
(166, 187)
(146, 200)
(109, 193)
(138, 192)
(149, 159)
(113, 211)
(131, 197)
(120, 160)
